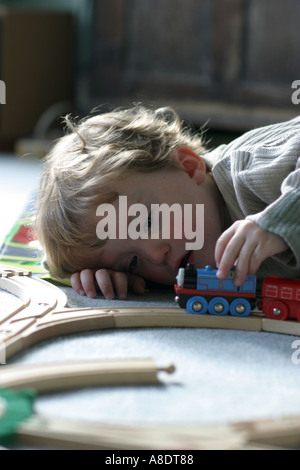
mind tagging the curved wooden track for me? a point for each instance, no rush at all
(43, 314)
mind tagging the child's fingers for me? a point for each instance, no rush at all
(108, 281)
(120, 283)
(229, 256)
(239, 251)
(222, 244)
(246, 245)
(104, 281)
(236, 247)
(76, 283)
(244, 261)
(88, 283)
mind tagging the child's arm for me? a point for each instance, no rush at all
(258, 175)
(109, 282)
(246, 245)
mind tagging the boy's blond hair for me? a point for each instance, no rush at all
(78, 170)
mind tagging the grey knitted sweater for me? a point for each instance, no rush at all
(258, 175)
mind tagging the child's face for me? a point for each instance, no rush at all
(159, 259)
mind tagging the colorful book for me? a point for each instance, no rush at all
(21, 248)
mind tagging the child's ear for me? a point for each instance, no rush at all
(191, 163)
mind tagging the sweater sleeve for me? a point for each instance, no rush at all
(283, 215)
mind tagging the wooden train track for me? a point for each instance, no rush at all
(43, 313)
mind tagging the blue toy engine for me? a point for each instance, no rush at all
(200, 291)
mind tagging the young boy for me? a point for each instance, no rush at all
(250, 190)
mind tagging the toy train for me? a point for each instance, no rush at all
(200, 292)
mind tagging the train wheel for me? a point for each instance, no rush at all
(275, 310)
(240, 308)
(218, 306)
(196, 305)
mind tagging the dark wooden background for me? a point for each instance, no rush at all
(230, 61)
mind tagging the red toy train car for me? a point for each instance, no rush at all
(200, 292)
(281, 298)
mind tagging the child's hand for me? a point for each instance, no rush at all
(246, 245)
(109, 282)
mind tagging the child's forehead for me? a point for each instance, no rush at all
(134, 187)
(139, 184)
(132, 193)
